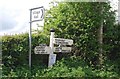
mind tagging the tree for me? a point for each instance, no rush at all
(83, 22)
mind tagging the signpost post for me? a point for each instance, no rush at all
(52, 31)
(36, 14)
(52, 59)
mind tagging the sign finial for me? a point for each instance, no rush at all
(52, 30)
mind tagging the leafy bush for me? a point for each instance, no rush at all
(76, 67)
(67, 67)
(15, 48)
(82, 22)
(18, 72)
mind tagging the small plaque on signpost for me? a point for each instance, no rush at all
(52, 59)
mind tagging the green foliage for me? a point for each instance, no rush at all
(77, 21)
(67, 67)
(113, 53)
(76, 67)
(15, 48)
(18, 72)
(80, 21)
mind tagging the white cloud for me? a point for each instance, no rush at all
(15, 14)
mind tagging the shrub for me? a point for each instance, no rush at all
(15, 48)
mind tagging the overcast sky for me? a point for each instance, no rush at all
(14, 14)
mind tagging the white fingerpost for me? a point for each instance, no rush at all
(52, 60)
(52, 57)
(51, 39)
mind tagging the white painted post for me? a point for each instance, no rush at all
(52, 60)
(51, 39)
(52, 57)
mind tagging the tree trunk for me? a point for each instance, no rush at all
(101, 44)
(100, 39)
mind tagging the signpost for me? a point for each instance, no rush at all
(61, 41)
(62, 49)
(36, 14)
(42, 50)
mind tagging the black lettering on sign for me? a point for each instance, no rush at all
(60, 41)
(65, 50)
(42, 52)
(35, 16)
(36, 12)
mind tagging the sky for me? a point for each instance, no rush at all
(15, 14)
